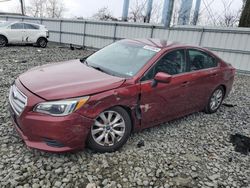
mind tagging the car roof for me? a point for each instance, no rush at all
(161, 43)
(164, 44)
(13, 22)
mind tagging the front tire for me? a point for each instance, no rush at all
(42, 42)
(110, 131)
(3, 41)
(215, 100)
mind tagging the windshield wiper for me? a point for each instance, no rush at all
(104, 70)
(83, 59)
(85, 62)
(98, 68)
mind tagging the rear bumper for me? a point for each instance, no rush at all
(229, 86)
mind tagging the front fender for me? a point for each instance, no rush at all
(124, 96)
(3, 34)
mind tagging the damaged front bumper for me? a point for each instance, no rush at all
(49, 133)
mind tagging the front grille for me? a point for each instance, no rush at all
(17, 100)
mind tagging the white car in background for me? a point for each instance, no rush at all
(23, 33)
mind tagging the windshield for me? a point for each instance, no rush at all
(4, 24)
(122, 58)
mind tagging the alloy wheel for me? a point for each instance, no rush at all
(2, 42)
(216, 99)
(108, 129)
(42, 43)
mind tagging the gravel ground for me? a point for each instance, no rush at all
(193, 151)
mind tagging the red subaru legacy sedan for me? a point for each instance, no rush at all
(127, 86)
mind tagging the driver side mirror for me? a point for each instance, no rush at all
(161, 77)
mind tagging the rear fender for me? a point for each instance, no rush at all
(41, 36)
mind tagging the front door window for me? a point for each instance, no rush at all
(172, 63)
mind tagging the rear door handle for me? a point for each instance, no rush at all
(213, 75)
(185, 84)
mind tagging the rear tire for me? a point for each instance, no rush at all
(3, 41)
(42, 42)
(215, 100)
(110, 130)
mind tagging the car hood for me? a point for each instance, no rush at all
(67, 80)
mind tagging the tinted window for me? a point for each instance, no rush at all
(122, 58)
(17, 26)
(172, 63)
(30, 26)
(200, 60)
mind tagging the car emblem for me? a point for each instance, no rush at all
(14, 94)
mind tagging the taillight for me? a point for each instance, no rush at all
(233, 70)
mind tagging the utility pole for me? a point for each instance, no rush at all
(196, 12)
(184, 13)
(167, 12)
(149, 10)
(125, 10)
(21, 3)
(22, 7)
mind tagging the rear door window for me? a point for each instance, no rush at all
(199, 60)
(30, 26)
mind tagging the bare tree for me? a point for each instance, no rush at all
(175, 14)
(16, 9)
(138, 8)
(229, 18)
(156, 13)
(104, 14)
(46, 8)
(55, 8)
(36, 8)
(137, 12)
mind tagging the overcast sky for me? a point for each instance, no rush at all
(86, 8)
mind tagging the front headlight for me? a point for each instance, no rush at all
(61, 108)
